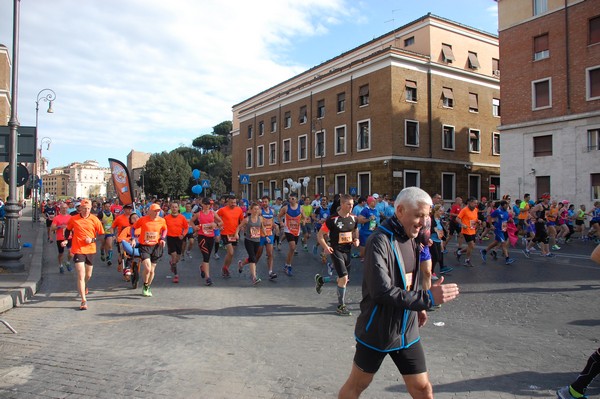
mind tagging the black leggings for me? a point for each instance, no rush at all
(206, 245)
(252, 249)
(436, 255)
(591, 370)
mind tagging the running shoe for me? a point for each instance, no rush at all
(149, 293)
(109, 263)
(305, 248)
(483, 253)
(485, 238)
(240, 266)
(319, 283)
(342, 310)
(445, 251)
(555, 247)
(217, 256)
(256, 281)
(182, 259)
(61, 269)
(458, 254)
(434, 277)
(209, 282)
(288, 271)
(509, 261)
(494, 254)
(189, 254)
(446, 269)
(68, 265)
(225, 273)
(355, 255)
(295, 253)
(102, 257)
(175, 279)
(468, 263)
(145, 291)
(526, 253)
(272, 275)
(83, 305)
(550, 255)
(330, 268)
(565, 393)
(127, 272)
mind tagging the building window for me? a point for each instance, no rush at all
(447, 97)
(272, 153)
(448, 186)
(540, 47)
(340, 140)
(341, 102)
(541, 94)
(595, 180)
(542, 185)
(363, 95)
(473, 102)
(249, 132)
(320, 144)
(496, 107)
(495, 143)
(302, 153)
(411, 91)
(447, 54)
(364, 183)
(540, 6)
(594, 30)
(364, 136)
(302, 118)
(288, 119)
(496, 67)
(320, 185)
(260, 188)
(320, 108)
(273, 124)
(542, 146)
(261, 128)
(411, 133)
(593, 140)
(592, 82)
(473, 61)
(412, 178)
(248, 158)
(260, 156)
(287, 150)
(340, 183)
(474, 188)
(409, 41)
(272, 188)
(474, 140)
(447, 137)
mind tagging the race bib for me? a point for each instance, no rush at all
(231, 238)
(473, 224)
(268, 225)
(409, 280)
(345, 237)
(504, 224)
(294, 226)
(207, 229)
(254, 232)
(151, 237)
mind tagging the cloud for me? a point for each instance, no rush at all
(150, 75)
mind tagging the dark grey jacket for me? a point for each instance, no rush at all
(388, 319)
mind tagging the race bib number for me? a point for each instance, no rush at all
(207, 229)
(345, 237)
(504, 224)
(473, 224)
(231, 238)
(440, 233)
(268, 225)
(409, 280)
(254, 232)
(294, 226)
(151, 237)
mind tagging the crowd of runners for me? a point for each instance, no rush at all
(334, 229)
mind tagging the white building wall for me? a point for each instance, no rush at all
(569, 167)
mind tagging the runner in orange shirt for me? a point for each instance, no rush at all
(177, 227)
(468, 221)
(153, 231)
(83, 229)
(59, 223)
(120, 222)
(231, 215)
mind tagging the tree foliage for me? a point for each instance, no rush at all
(223, 128)
(210, 142)
(167, 175)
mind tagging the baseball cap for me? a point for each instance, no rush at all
(370, 198)
(77, 204)
(155, 207)
(84, 202)
(376, 196)
(128, 206)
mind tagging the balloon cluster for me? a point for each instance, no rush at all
(295, 186)
(196, 188)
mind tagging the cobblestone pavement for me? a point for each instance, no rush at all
(516, 331)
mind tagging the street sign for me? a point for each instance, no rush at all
(205, 183)
(25, 143)
(492, 188)
(244, 179)
(353, 191)
(22, 175)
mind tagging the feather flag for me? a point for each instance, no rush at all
(121, 181)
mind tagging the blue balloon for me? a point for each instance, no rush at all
(197, 189)
(196, 174)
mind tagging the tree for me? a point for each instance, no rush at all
(210, 142)
(223, 128)
(167, 175)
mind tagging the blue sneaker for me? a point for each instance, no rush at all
(483, 253)
(288, 270)
(565, 393)
(509, 261)
(330, 268)
(446, 269)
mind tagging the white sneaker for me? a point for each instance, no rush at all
(217, 256)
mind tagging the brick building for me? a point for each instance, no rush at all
(419, 105)
(550, 52)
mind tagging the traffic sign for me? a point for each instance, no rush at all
(244, 179)
(353, 191)
(205, 183)
(22, 174)
(492, 188)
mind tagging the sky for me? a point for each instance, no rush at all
(152, 75)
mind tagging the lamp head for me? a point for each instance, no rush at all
(50, 110)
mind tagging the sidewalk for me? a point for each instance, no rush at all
(16, 288)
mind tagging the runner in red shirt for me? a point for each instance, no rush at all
(232, 215)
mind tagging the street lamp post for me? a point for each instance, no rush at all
(49, 96)
(320, 151)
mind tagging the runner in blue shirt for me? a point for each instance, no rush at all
(500, 218)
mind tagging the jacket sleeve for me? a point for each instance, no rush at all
(380, 263)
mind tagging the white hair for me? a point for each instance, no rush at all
(413, 196)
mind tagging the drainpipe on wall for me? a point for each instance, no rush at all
(568, 82)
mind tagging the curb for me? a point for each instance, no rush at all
(30, 287)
